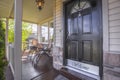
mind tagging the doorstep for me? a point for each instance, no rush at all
(73, 75)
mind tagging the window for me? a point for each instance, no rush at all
(51, 32)
(44, 30)
(47, 32)
(79, 5)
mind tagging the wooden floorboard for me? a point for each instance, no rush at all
(30, 73)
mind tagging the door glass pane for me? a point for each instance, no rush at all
(72, 26)
(75, 25)
(69, 26)
(80, 5)
(86, 24)
(80, 23)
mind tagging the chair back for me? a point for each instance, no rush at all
(45, 62)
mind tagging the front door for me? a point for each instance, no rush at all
(82, 33)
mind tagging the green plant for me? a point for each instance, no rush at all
(26, 31)
(2, 51)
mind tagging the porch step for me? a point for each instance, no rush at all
(72, 75)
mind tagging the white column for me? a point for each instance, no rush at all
(6, 40)
(17, 40)
(39, 33)
(48, 32)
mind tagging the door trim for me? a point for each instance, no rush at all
(101, 36)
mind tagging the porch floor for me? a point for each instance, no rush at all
(29, 72)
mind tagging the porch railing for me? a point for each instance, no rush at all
(11, 57)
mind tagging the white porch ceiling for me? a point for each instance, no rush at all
(30, 10)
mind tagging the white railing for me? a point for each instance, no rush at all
(11, 57)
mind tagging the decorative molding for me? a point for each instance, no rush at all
(105, 22)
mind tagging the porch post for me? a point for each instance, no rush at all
(48, 32)
(39, 33)
(17, 40)
(6, 40)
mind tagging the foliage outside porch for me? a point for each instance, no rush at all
(3, 61)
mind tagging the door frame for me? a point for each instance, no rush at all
(101, 35)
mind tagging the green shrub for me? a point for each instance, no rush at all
(2, 51)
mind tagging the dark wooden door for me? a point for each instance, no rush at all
(82, 31)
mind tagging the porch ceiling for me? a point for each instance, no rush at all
(30, 10)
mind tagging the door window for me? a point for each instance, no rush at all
(80, 5)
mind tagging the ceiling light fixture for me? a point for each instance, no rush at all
(40, 4)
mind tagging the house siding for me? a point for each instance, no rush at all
(111, 58)
(114, 25)
(58, 21)
(57, 48)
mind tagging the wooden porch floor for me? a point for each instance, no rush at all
(29, 72)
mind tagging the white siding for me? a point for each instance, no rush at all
(58, 22)
(115, 41)
(114, 4)
(57, 49)
(111, 1)
(114, 25)
(114, 11)
(114, 29)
